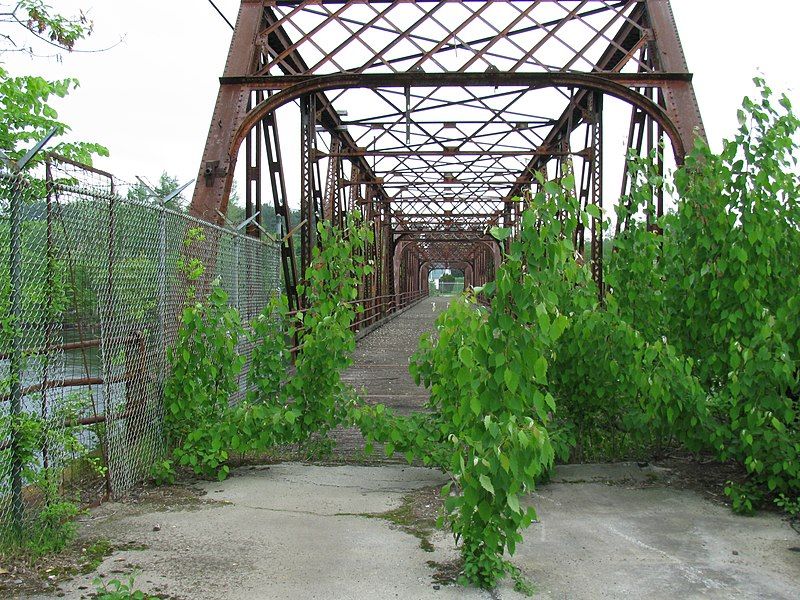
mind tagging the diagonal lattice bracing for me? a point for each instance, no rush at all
(433, 116)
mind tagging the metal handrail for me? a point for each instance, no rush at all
(377, 309)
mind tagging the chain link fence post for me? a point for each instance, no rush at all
(162, 293)
(15, 360)
(15, 316)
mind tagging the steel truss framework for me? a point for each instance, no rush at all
(434, 117)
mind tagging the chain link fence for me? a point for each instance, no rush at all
(90, 297)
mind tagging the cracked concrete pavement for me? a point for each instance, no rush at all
(293, 530)
(299, 531)
(283, 531)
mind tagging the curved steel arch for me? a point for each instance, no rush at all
(532, 81)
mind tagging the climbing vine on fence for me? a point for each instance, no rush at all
(203, 429)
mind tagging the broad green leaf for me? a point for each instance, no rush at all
(500, 233)
(475, 405)
(486, 484)
(511, 378)
(540, 370)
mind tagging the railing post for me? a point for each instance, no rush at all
(15, 272)
(106, 320)
(50, 285)
(162, 293)
(15, 312)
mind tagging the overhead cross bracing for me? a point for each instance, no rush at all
(434, 117)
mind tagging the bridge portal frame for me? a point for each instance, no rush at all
(269, 67)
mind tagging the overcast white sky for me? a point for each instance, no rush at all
(150, 98)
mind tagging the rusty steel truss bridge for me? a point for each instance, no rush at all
(433, 118)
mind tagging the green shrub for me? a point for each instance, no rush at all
(722, 287)
(490, 404)
(202, 427)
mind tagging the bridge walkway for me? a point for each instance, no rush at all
(380, 368)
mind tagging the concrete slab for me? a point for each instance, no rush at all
(295, 531)
(288, 531)
(602, 535)
(321, 490)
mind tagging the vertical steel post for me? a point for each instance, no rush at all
(48, 342)
(249, 172)
(660, 160)
(597, 190)
(587, 170)
(282, 211)
(408, 114)
(330, 210)
(106, 334)
(15, 272)
(253, 148)
(162, 292)
(308, 230)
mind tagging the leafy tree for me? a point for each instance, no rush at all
(167, 184)
(35, 22)
(26, 115)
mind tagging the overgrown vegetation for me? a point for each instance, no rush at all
(202, 428)
(26, 111)
(27, 25)
(490, 404)
(723, 297)
(695, 343)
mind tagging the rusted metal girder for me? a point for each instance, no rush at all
(658, 33)
(265, 82)
(596, 163)
(451, 131)
(443, 152)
